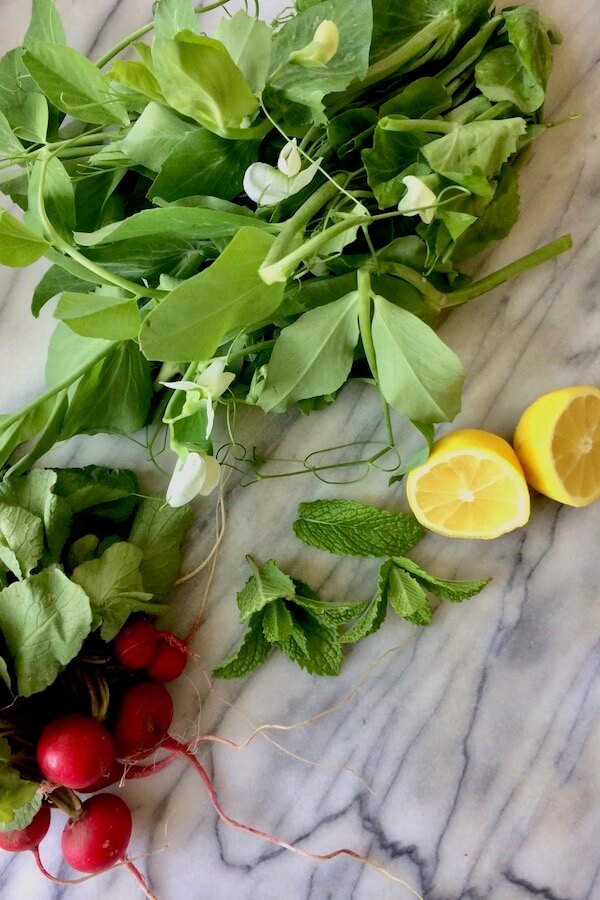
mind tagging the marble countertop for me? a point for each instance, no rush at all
(466, 762)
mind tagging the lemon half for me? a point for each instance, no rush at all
(558, 443)
(471, 486)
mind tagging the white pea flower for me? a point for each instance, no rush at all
(194, 474)
(208, 386)
(419, 199)
(321, 49)
(267, 185)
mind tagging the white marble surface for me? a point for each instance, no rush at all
(475, 745)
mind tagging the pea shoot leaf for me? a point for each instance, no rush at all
(159, 530)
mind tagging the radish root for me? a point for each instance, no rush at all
(172, 744)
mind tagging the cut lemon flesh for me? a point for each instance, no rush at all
(557, 440)
(471, 486)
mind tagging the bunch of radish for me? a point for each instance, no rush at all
(79, 753)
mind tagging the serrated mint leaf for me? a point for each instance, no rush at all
(407, 597)
(268, 583)
(252, 652)
(454, 591)
(45, 620)
(158, 530)
(296, 646)
(19, 800)
(21, 539)
(326, 612)
(115, 589)
(355, 529)
(277, 622)
(371, 618)
(323, 646)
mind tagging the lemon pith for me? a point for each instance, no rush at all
(557, 440)
(472, 486)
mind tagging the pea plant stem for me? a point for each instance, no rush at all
(140, 32)
(366, 334)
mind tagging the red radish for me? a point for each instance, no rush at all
(75, 751)
(29, 837)
(168, 660)
(145, 714)
(135, 643)
(98, 837)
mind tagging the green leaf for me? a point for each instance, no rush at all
(44, 620)
(330, 614)
(407, 597)
(82, 550)
(173, 16)
(35, 493)
(313, 356)
(296, 646)
(518, 72)
(114, 586)
(29, 120)
(204, 164)
(45, 24)
(476, 148)
(419, 456)
(159, 530)
(97, 488)
(169, 226)
(419, 375)
(53, 282)
(323, 646)
(25, 428)
(19, 800)
(251, 654)
(19, 245)
(10, 145)
(277, 622)
(137, 77)
(199, 79)
(73, 83)
(58, 196)
(248, 42)
(454, 591)
(227, 297)
(21, 539)
(291, 83)
(100, 316)
(113, 397)
(68, 352)
(369, 621)
(496, 220)
(4, 674)
(266, 584)
(154, 136)
(355, 529)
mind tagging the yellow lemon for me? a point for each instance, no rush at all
(558, 442)
(471, 486)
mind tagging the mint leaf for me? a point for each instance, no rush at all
(355, 529)
(407, 597)
(45, 620)
(327, 613)
(19, 800)
(252, 652)
(371, 619)
(21, 539)
(277, 622)
(323, 645)
(296, 646)
(158, 530)
(114, 586)
(268, 583)
(454, 591)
